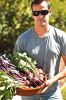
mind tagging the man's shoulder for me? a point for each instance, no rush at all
(26, 34)
(55, 28)
(57, 31)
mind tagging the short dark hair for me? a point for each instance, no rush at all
(39, 2)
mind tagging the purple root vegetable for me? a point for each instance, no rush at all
(25, 77)
(30, 76)
(41, 71)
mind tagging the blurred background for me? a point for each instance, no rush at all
(16, 17)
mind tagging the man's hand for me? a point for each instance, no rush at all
(57, 77)
(48, 83)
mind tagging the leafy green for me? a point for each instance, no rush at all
(8, 83)
(23, 61)
(7, 87)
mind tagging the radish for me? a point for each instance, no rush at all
(26, 73)
(27, 82)
(37, 80)
(40, 71)
(41, 79)
(30, 76)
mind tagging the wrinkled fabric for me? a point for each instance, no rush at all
(47, 52)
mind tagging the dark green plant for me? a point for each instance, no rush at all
(15, 18)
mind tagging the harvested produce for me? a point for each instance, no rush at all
(19, 70)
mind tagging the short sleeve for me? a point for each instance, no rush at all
(19, 45)
(63, 44)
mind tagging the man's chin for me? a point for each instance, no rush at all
(43, 25)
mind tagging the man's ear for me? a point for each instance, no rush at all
(32, 15)
(50, 12)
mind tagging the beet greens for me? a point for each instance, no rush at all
(18, 70)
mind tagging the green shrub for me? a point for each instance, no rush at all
(64, 93)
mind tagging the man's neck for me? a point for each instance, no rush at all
(41, 31)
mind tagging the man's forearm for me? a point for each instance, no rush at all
(60, 75)
(57, 77)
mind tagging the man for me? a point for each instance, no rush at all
(46, 44)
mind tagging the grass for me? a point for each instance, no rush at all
(64, 93)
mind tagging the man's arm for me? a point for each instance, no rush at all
(59, 76)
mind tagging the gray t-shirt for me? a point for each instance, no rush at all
(47, 50)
